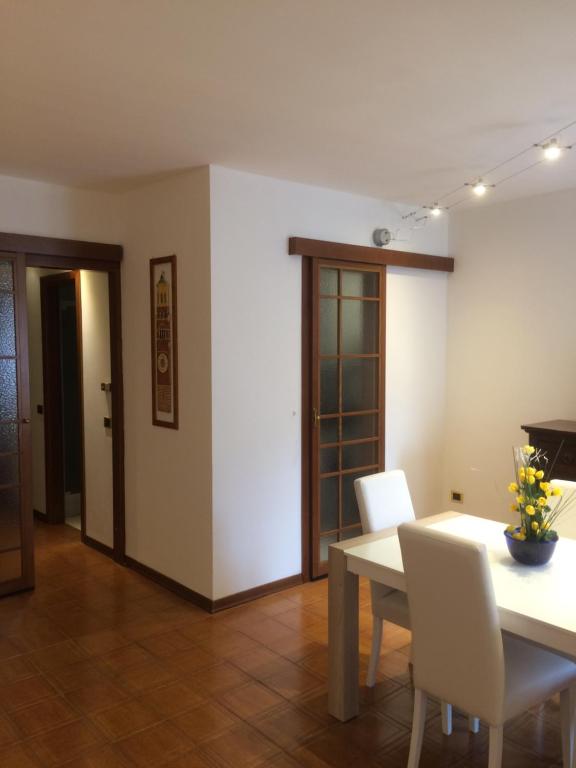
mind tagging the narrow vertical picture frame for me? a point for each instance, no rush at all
(164, 337)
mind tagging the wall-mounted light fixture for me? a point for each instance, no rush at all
(382, 237)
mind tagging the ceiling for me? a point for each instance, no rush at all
(395, 99)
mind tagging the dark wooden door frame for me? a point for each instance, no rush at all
(56, 253)
(310, 250)
(52, 405)
(363, 254)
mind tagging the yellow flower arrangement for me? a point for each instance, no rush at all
(538, 502)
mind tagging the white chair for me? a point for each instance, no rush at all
(459, 652)
(384, 502)
(566, 523)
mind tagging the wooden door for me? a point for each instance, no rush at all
(16, 523)
(347, 398)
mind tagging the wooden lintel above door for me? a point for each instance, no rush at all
(324, 249)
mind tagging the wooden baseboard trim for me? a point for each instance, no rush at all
(212, 606)
(174, 586)
(97, 545)
(253, 594)
(40, 516)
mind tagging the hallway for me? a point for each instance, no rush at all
(100, 668)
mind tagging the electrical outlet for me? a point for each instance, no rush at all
(457, 497)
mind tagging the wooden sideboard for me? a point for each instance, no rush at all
(554, 436)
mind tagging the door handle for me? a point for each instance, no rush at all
(25, 421)
(315, 417)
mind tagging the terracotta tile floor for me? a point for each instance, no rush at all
(100, 668)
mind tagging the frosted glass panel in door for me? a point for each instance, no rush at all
(359, 283)
(8, 390)
(6, 276)
(7, 325)
(328, 431)
(357, 427)
(329, 492)
(8, 438)
(360, 327)
(360, 384)
(9, 470)
(328, 460)
(328, 386)
(359, 455)
(328, 281)
(328, 326)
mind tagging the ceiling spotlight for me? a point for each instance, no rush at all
(435, 210)
(552, 150)
(479, 188)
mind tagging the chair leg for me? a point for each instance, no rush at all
(473, 724)
(567, 714)
(446, 718)
(418, 723)
(496, 746)
(375, 652)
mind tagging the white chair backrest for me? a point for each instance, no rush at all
(565, 525)
(457, 647)
(383, 500)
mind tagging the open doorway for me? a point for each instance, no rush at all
(60, 407)
(70, 389)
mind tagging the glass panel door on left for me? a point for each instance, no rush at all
(16, 533)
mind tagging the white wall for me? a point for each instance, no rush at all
(96, 368)
(256, 340)
(416, 327)
(511, 352)
(36, 208)
(168, 472)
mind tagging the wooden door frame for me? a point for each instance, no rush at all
(52, 405)
(56, 253)
(310, 250)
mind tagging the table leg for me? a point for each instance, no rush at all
(343, 687)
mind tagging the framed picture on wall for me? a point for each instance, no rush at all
(163, 315)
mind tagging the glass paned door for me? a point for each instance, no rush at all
(347, 397)
(16, 544)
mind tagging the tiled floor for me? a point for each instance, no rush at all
(101, 668)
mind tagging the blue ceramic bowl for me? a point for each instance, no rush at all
(530, 552)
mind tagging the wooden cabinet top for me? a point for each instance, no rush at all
(562, 427)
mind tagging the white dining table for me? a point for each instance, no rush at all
(536, 603)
